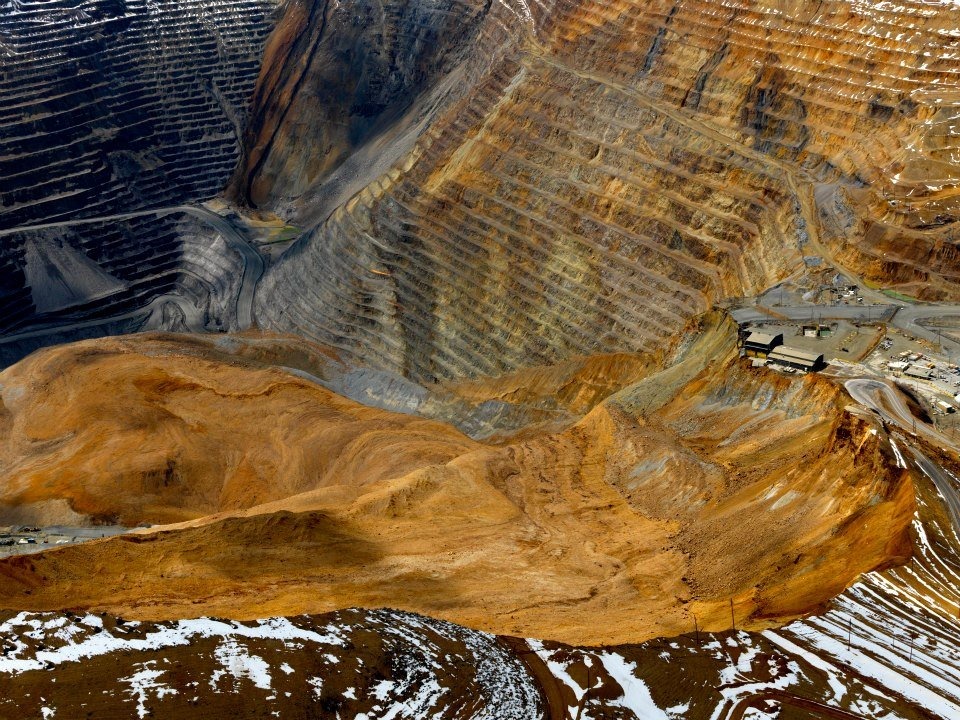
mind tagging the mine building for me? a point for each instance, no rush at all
(760, 344)
(921, 373)
(796, 358)
(816, 330)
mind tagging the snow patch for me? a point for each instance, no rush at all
(239, 663)
(636, 696)
(84, 644)
(142, 683)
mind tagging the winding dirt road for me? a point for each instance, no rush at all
(890, 405)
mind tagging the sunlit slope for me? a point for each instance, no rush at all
(616, 528)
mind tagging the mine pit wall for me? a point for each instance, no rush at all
(109, 107)
(114, 258)
(920, 264)
(100, 279)
(614, 173)
(209, 275)
(336, 75)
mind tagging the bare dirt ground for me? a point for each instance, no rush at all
(275, 496)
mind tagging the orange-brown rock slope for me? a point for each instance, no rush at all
(291, 499)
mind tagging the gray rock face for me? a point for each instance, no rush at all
(109, 107)
(340, 75)
(60, 276)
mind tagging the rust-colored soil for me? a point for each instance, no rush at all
(283, 498)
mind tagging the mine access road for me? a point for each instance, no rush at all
(890, 405)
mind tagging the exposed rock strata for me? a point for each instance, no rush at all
(107, 107)
(598, 174)
(338, 75)
(485, 185)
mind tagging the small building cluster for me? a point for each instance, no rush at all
(768, 349)
(938, 374)
(909, 365)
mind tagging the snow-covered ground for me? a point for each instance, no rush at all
(353, 664)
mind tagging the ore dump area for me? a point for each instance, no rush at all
(885, 648)
(591, 595)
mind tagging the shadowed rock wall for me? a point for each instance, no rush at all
(107, 107)
(337, 74)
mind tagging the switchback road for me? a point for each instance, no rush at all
(889, 403)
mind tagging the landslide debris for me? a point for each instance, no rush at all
(282, 498)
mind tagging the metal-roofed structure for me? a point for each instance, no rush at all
(796, 358)
(916, 371)
(759, 344)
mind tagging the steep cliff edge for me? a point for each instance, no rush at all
(335, 76)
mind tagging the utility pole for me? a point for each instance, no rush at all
(696, 630)
(733, 622)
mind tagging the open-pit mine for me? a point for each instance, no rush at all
(524, 359)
